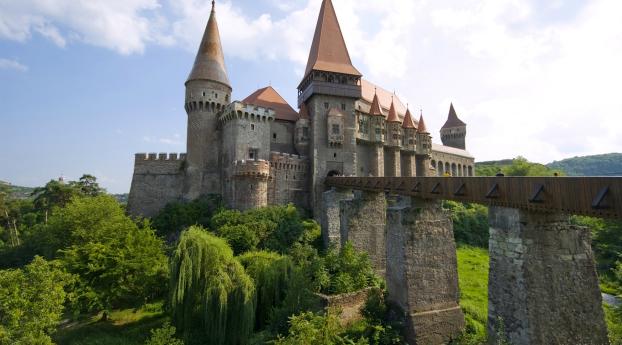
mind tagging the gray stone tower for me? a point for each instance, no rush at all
(329, 89)
(393, 142)
(453, 132)
(207, 91)
(424, 149)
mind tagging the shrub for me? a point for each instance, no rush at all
(164, 335)
(177, 216)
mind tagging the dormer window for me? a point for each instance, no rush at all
(336, 129)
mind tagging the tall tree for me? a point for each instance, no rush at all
(212, 298)
(53, 194)
(88, 186)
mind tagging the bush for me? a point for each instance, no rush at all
(31, 302)
(470, 223)
(164, 336)
(241, 238)
(313, 329)
(177, 216)
(349, 270)
(212, 298)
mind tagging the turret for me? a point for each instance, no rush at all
(377, 120)
(409, 132)
(424, 149)
(301, 136)
(393, 127)
(207, 92)
(453, 132)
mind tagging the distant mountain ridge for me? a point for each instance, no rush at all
(609, 164)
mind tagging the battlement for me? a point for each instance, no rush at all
(252, 168)
(239, 110)
(286, 161)
(141, 157)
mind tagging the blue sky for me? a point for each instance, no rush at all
(86, 84)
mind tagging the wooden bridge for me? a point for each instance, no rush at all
(543, 287)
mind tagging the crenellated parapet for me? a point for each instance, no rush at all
(259, 169)
(288, 162)
(243, 111)
(159, 163)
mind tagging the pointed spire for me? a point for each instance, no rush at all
(329, 51)
(408, 120)
(452, 118)
(210, 61)
(392, 113)
(375, 109)
(304, 112)
(421, 128)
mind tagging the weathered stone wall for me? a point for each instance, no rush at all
(282, 136)
(408, 164)
(158, 179)
(349, 304)
(392, 162)
(363, 223)
(330, 219)
(542, 283)
(289, 181)
(422, 276)
(454, 164)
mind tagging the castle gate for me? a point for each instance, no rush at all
(542, 287)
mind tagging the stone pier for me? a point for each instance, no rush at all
(363, 223)
(422, 275)
(542, 285)
(330, 218)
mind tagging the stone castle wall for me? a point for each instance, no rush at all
(158, 179)
(289, 180)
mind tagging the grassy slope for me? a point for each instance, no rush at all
(125, 327)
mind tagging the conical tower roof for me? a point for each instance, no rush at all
(375, 109)
(408, 120)
(393, 114)
(422, 128)
(329, 51)
(452, 119)
(210, 61)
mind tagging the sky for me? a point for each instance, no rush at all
(85, 84)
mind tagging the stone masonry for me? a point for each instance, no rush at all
(422, 275)
(542, 285)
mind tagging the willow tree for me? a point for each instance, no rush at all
(212, 298)
(271, 273)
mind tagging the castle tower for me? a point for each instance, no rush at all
(329, 89)
(301, 136)
(393, 141)
(207, 92)
(409, 132)
(424, 149)
(453, 132)
(377, 125)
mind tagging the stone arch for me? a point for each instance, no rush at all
(454, 171)
(441, 168)
(447, 167)
(459, 169)
(470, 170)
(334, 173)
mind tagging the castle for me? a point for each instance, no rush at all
(260, 151)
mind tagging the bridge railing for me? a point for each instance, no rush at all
(590, 196)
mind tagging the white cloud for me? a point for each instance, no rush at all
(12, 65)
(125, 26)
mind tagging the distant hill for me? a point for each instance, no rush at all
(18, 192)
(609, 164)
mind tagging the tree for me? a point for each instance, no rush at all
(87, 185)
(164, 336)
(212, 298)
(349, 270)
(53, 194)
(31, 302)
(470, 223)
(177, 216)
(312, 329)
(272, 275)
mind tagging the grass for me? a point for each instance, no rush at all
(124, 327)
(473, 280)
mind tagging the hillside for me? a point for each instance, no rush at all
(18, 192)
(599, 165)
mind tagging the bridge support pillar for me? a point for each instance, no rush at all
(330, 217)
(363, 223)
(422, 275)
(542, 284)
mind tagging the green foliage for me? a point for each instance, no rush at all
(31, 302)
(275, 228)
(313, 329)
(607, 246)
(376, 328)
(272, 274)
(164, 335)
(177, 216)
(241, 238)
(613, 316)
(212, 298)
(470, 223)
(598, 165)
(118, 263)
(87, 186)
(519, 166)
(349, 270)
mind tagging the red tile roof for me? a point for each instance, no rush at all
(328, 50)
(375, 106)
(452, 119)
(421, 128)
(269, 98)
(393, 114)
(370, 89)
(408, 120)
